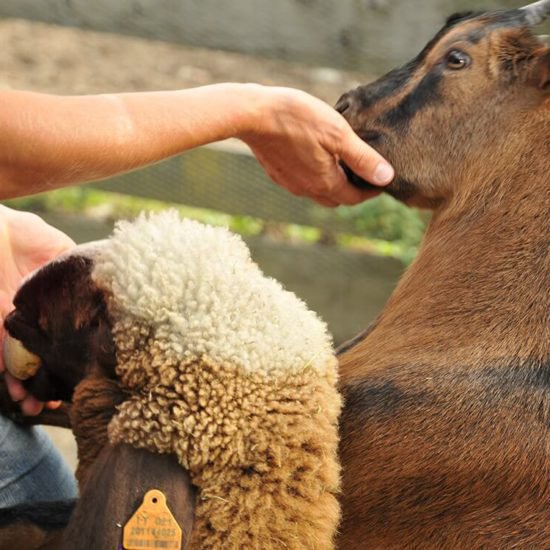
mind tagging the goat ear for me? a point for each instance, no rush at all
(541, 72)
(115, 487)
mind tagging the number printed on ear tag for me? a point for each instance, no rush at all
(152, 525)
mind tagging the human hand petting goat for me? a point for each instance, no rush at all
(298, 139)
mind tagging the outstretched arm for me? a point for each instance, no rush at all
(50, 141)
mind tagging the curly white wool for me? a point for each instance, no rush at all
(201, 293)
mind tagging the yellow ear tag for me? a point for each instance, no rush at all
(152, 525)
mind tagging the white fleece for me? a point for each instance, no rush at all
(201, 293)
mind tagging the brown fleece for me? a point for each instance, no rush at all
(261, 449)
(94, 404)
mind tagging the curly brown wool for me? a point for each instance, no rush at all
(261, 450)
(94, 404)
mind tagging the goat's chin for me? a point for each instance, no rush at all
(358, 181)
(403, 190)
(400, 188)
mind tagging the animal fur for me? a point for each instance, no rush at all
(445, 430)
(445, 433)
(229, 373)
(198, 355)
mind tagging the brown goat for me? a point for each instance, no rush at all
(445, 432)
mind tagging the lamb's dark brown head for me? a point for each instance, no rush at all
(472, 103)
(60, 316)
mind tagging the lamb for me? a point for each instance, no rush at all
(201, 358)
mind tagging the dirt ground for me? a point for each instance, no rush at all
(38, 56)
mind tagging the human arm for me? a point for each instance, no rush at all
(53, 141)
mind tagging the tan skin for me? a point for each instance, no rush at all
(49, 142)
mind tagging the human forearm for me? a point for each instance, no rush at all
(51, 141)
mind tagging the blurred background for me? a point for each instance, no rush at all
(344, 263)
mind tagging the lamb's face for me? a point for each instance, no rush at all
(60, 316)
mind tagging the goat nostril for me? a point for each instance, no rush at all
(343, 105)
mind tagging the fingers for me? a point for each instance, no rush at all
(365, 161)
(344, 193)
(30, 406)
(27, 242)
(323, 201)
(15, 388)
(300, 143)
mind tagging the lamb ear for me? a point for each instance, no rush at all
(540, 76)
(114, 490)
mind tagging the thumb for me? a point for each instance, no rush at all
(4, 310)
(365, 161)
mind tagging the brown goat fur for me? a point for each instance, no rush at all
(34, 526)
(445, 432)
(94, 404)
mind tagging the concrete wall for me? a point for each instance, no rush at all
(370, 35)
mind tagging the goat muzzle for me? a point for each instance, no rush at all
(19, 361)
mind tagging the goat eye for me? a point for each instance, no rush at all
(457, 60)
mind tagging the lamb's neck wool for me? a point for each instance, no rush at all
(202, 294)
(232, 374)
(94, 404)
(261, 450)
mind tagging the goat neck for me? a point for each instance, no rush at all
(479, 286)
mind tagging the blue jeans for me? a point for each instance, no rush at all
(31, 468)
